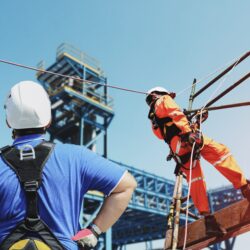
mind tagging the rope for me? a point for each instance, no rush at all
(112, 86)
(188, 194)
(215, 91)
(71, 77)
(212, 73)
(108, 85)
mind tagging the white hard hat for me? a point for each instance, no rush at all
(158, 89)
(28, 106)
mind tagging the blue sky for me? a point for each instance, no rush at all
(140, 44)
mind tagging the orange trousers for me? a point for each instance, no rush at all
(220, 157)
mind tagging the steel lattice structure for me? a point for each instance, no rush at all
(81, 111)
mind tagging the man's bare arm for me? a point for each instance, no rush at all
(115, 204)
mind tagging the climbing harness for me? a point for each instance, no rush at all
(166, 125)
(169, 130)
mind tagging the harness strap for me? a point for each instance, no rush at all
(29, 170)
(28, 164)
(4, 149)
(181, 160)
(165, 124)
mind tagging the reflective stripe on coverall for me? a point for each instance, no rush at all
(215, 153)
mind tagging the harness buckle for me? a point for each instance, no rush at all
(30, 186)
(32, 222)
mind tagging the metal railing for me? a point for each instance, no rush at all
(40, 65)
(78, 54)
(87, 92)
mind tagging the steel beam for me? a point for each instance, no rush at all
(227, 106)
(238, 61)
(228, 90)
(234, 218)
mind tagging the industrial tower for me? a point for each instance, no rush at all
(81, 109)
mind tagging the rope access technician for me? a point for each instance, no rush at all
(170, 124)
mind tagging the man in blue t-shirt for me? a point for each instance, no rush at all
(69, 172)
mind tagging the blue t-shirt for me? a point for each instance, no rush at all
(68, 174)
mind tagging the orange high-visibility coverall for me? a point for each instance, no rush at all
(215, 153)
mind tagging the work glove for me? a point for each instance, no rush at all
(87, 238)
(201, 116)
(195, 137)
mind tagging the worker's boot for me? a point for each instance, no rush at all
(213, 228)
(245, 190)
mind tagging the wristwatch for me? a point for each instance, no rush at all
(95, 228)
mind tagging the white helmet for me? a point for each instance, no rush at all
(158, 89)
(28, 106)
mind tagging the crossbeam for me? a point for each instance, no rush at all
(245, 77)
(234, 218)
(227, 106)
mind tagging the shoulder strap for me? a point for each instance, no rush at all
(4, 149)
(156, 121)
(28, 163)
(165, 124)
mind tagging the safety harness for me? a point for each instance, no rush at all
(27, 163)
(166, 125)
(169, 130)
